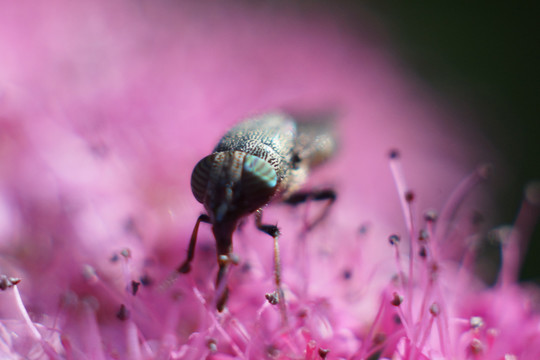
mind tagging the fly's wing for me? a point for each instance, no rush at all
(315, 143)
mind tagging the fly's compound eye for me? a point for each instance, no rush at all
(259, 180)
(201, 176)
(252, 180)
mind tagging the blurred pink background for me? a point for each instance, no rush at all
(105, 107)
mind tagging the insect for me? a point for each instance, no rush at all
(260, 160)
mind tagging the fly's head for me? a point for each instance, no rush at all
(231, 185)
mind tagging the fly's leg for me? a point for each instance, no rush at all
(273, 231)
(186, 265)
(222, 290)
(299, 197)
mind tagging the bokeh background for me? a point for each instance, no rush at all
(482, 57)
(75, 58)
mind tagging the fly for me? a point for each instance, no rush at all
(263, 159)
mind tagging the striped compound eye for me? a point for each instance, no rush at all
(254, 180)
(201, 176)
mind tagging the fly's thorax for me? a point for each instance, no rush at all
(270, 137)
(232, 184)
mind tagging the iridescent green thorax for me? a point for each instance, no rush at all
(269, 137)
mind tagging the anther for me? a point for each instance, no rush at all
(272, 298)
(435, 309)
(396, 299)
(7, 282)
(409, 196)
(273, 351)
(433, 270)
(123, 313)
(394, 239)
(431, 216)
(393, 154)
(476, 347)
(89, 274)
(363, 229)
(211, 343)
(323, 353)
(135, 287)
(302, 313)
(126, 253)
(476, 322)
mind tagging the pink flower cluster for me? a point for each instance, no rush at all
(105, 107)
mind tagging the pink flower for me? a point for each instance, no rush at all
(106, 107)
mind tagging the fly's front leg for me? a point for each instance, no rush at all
(273, 231)
(186, 265)
(299, 197)
(222, 290)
